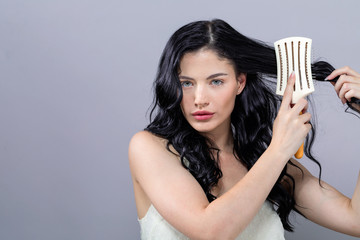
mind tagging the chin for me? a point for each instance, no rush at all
(202, 127)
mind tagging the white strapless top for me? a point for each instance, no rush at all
(266, 225)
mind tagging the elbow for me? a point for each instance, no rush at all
(217, 232)
(211, 235)
(221, 235)
(215, 228)
(356, 229)
(208, 234)
(353, 229)
(355, 223)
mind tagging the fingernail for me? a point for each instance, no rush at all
(292, 74)
(326, 79)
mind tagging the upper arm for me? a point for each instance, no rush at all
(173, 191)
(323, 204)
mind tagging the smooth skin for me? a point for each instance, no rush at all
(348, 84)
(210, 84)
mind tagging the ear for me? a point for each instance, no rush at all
(241, 78)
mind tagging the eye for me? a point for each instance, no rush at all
(186, 84)
(216, 82)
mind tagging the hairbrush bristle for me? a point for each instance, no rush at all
(294, 54)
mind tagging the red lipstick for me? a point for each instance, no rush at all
(202, 115)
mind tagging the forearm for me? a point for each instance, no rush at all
(355, 200)
(236, 208)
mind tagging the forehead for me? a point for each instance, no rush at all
(204, 61)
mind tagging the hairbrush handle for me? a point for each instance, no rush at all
(300, 152)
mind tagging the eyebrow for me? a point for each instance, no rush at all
(209, 77)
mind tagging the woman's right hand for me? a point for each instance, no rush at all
(290, 128)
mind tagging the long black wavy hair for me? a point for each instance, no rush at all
(253, 115)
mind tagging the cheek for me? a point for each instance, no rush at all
(183, 105)
(182, 108)
(229, 100)
(229, 105)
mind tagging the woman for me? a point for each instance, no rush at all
(216, 160)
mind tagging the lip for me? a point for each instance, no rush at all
(202, 115)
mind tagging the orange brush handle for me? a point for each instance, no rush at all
(300, 152)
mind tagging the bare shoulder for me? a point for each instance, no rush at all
(146, 142)
(147, 149)
(141, 139)
(144, 137)
(159, 177)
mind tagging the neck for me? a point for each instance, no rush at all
(222, 140)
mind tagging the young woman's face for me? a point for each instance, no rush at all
(209, 86)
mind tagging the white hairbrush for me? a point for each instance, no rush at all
(294, 54)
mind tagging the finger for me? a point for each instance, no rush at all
(348, 95)
(305, 118)
(350, 92)
(305, 107)
(288, 93)
(346, 87)
(300, 107)
(344, 70)
(308, 127)
(345, 79)
(305, 129)
(339, 83)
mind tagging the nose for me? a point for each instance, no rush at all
(201, 97)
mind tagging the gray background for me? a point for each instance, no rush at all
(75, 85)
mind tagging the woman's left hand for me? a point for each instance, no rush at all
(348, 84)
